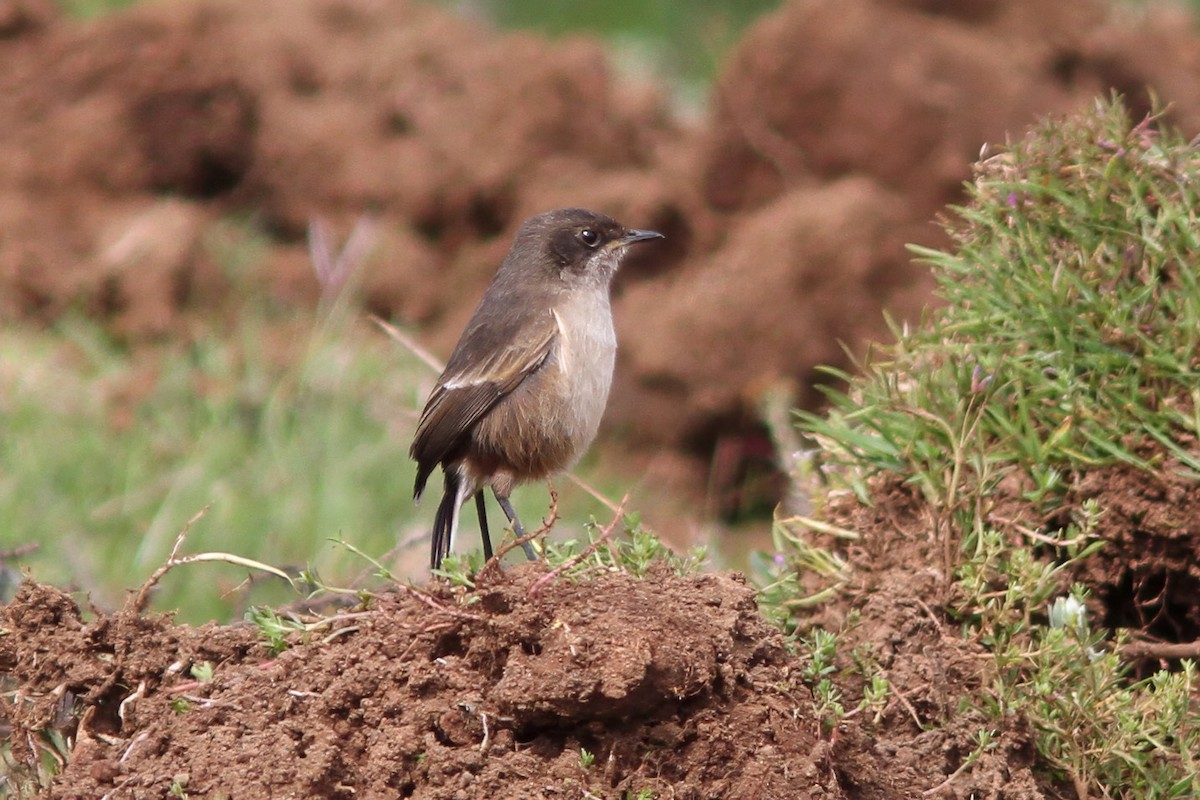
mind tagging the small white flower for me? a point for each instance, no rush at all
(1068, 612)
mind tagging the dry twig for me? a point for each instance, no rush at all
(1163, 650)
(605, 535)
(18, 551)
(548, 522)
(175, 560)
(409, 343)
(433, 603)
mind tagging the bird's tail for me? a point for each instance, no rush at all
(445, 522)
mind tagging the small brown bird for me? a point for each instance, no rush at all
(522, 395)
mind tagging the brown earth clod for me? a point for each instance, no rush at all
(495, 698)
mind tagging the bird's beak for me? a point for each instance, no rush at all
(631, 237)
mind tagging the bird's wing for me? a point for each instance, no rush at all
(474, 381)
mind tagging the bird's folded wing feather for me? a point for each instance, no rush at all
(463, 396)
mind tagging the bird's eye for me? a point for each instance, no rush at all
(589, 237)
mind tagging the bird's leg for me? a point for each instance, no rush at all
(511, 513)
(481, 509)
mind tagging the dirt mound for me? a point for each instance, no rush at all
(786, 212)
(672, 684)
(782, 264)
(330, 108)
(1146, 578)
(907, 91)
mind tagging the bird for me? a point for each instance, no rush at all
(525, 387)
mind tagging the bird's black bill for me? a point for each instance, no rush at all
(631, 237)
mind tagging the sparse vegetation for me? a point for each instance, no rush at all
(634, 553)
(276, 630)
(25, 777)
(273, 440)
(1096, 727)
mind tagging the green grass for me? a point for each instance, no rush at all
(87, 9)
(682, 41)
(1071, 325)
(1069, 338)
(283, 457)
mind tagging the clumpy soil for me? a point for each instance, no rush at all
(673, 684)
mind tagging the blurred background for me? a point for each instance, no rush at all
(173, 169)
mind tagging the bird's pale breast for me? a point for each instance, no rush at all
(548, 421)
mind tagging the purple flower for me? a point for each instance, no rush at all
(979, 382)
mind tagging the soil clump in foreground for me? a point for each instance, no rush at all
(604, 687)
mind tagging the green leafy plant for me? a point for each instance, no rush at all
(821, 647)
(876, 695)
(460, 568)
(276, 631)
(1093, 725)
(1070, 328)
(635, 553)
(203, 671)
